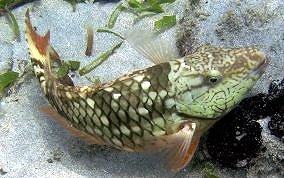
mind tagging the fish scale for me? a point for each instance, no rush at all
(131, 118)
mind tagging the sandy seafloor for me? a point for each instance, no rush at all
(33, 145)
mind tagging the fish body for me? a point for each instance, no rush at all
(167, 106)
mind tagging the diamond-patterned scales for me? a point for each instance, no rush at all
(125, 112)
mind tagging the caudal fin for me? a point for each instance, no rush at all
(39, 51)
(38, 45)
(43, 56)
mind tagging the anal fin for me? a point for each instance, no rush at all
(91, 139)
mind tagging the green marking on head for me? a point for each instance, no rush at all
(212, 81)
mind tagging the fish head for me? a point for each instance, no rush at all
(217, 79)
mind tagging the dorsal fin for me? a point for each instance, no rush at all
(151, 46)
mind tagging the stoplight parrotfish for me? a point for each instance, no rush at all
(165, 107)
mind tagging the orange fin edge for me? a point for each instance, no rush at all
(187, 157)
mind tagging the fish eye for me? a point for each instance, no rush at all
(214, 77)
(213, 80)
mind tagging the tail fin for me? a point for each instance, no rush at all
(39, 48)
(38, 45)
(39, 51)
(43, 55)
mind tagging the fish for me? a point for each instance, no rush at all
(163, 108)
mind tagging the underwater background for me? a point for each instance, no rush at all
(248, 142)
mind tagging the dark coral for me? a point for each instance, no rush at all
(236, 139)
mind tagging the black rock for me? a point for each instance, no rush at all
(232, 141)
(275, 98)
(257, 108)
(276, 90)
(276, 124)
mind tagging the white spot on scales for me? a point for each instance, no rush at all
(68, 95)
(109, 89)
(91, 103)
(152, 95)
(82, 95)
(145, 85)
(116, 96)
(163, 93)
(138, 78)
(143, 111)
(104, 120)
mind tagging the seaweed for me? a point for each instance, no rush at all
(14, 24)
(66, 67)
(111, 32)
(90, 40)
(95, 63)
(209, 170)
(94, 80)
(7, 78)
(74, 3)
(5, 8)
(142, 9)
(2, 172)
(12, 4)
(114, 15)
(165, 22)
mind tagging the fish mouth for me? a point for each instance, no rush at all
(263, 64)
(260, 68)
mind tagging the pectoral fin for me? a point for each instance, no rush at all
(177, 149)
(91, 139)
(182, 147)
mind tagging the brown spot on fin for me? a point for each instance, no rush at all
(91, 139)
(152, 47)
